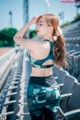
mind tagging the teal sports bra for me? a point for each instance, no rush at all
(39, 63)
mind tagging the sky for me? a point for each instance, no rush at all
(36, 7)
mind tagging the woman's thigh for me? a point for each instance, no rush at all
(35, 105)
(46, 115)
(35, 117)
(49, 115)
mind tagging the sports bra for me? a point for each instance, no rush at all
(39, 63)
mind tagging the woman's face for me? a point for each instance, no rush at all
(42, 28)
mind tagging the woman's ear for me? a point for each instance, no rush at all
(50, 28)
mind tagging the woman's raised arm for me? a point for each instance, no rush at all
(27, 43)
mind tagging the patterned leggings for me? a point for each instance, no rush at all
(43, 97)
(46, 115)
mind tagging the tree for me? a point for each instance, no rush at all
(6, 37)
(32, 33)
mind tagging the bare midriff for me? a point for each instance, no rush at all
(41, 71)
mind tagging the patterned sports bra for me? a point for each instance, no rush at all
(39, 63)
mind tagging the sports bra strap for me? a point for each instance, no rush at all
(47, 40)
(43, 66)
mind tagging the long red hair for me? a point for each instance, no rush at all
(59, 50)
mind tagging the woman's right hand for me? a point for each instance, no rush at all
(34, 20)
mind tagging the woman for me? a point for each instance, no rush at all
(43, 94)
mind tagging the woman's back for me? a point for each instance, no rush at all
(42, 59)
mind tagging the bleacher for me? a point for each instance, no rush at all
(72, 36)
(69, 105)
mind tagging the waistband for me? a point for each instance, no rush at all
(44, 81)
(40, 76)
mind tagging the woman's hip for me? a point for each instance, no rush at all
(43, 92)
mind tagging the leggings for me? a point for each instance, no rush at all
(46, 115)
(43, 97)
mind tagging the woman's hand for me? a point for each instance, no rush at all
(58, 31)
(34, 20)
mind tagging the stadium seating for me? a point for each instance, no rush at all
(72, 106)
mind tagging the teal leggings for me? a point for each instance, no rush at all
(46, 115)
(43, 93)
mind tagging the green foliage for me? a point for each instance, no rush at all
(77, 18)
(65, 24)
(32, 33)
(6, 37)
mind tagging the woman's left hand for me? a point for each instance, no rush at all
(58, 32)
(34, 20)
